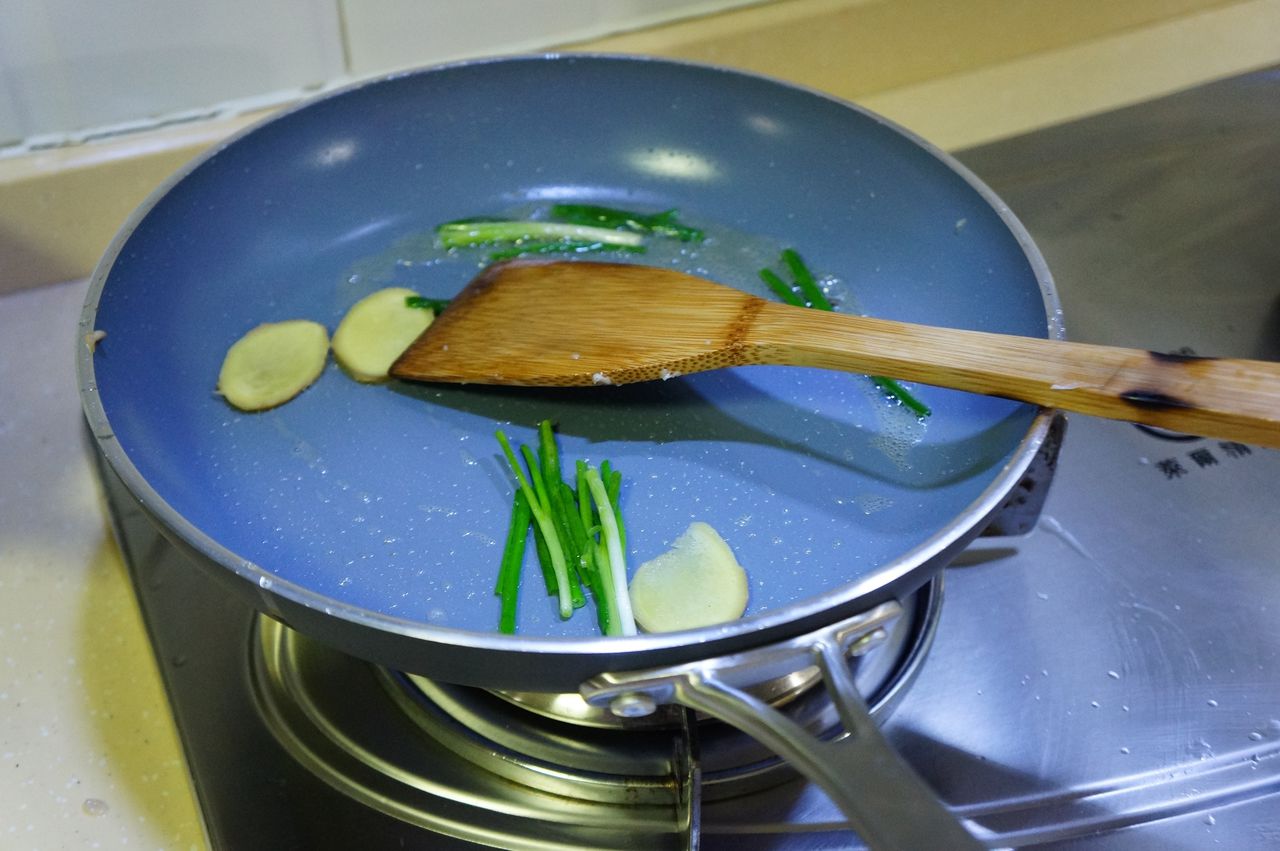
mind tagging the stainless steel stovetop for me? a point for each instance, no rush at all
(1109, 680)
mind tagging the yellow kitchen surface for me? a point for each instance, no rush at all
(89, 756)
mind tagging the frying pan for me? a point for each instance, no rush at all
(371, 517)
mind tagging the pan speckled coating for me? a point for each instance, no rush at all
(373, 516)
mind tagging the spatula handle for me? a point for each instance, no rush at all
(1216, 397)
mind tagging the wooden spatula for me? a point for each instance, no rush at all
(565, 323)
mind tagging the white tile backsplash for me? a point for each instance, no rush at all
(386, 34)
(69, 64)
(66, 65)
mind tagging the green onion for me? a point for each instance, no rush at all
(597, 554)
(558, 246)
(508, 584)
(606, 609)
(780, 287)
(582, 527)
(548, 461)
(542, 488)
(663, 224)
(613, 487)
(466, 234)
(436, 304)
(544, 562)
(617, 565)
(815, 298)
(895, 390)
(535, 475)
(545, 525)
(584, 494)
(568, 506)
(804, 280)
(548, 454)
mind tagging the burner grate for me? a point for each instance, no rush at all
(410, 747)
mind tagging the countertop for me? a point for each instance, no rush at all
(89, 757)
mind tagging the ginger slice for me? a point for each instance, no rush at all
(376, 330)
(273, 363)
(698, 582)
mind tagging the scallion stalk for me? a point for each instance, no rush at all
(816, 299)
(617, 564)
(593, 578)
(543, 489)
(508, 584)
(804, 279)
(584, 494)
(663, 223)
(467, 234)
(780, 288)
(544, 562)
(569, 506)
(423, 303)
(558, 246)
(548, 460)
(613, 487)
(597, 555)
(893, 389)
(546, 526)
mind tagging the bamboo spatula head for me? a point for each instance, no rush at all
(570, 323)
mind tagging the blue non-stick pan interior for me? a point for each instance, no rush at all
(394, 498)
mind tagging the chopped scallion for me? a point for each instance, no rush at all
(558, 246)
(780, 287)
(663, 223)
(508, 584)
(545, 526)
(814, 297)
(804, 279)
(895, 390)
(466, 234)
(617, 569)
(583, 529)
(423, 303)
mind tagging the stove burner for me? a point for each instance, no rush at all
(1087, 689)
(552, 767)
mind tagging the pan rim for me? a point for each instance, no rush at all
(829, 605)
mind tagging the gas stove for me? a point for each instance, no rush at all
(1105, 677)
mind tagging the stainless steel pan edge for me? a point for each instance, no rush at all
(535, 663)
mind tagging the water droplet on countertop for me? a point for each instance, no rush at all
(95, 807)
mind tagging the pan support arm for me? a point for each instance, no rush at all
(888, 805)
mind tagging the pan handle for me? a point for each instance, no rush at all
(886, 802)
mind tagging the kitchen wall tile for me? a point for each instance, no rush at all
(382, 35)
(70, 64)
